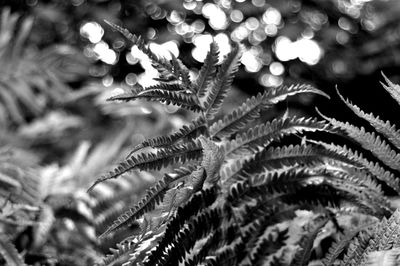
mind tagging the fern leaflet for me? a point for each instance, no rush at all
(262, 135)
(370, 142)
(393, 89)
(216, 95)
(207, 71)
(187, 132)
(158, 93)
(155, 161)
(385, 128)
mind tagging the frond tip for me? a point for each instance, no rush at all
(170, 94)
(213, 100)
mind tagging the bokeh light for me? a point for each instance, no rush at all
(92, 31)
(104, 53)
(271, 32)
(217, 17)
(306, 50)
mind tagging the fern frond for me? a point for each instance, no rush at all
(306, 244)
(197, 228)
(213, 159)
(219, 89)
(164, 67)
(239, 118)
(269, 183)
(262, 135)
(385, 128)
(339, 246)
(228, 256)
(219, 238)
(393, 89)
(45, 223)
(229, 173)
(285, 181)
(155, 161)
(197, 203)
(386, 235)
(276, 212)
(281, 93)
(363, 189)
(17, 183)
(133, 92)
(152, 197)
(9, 252)
(207, 71)
(250, 110)
(294, 155)
(269, 245)
(356, 249)
(372, 167)
(389, 257)
(180, 70)
(186, 133)
(165, 93)
(123, 250)
(370, 142)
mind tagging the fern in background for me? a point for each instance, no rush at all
(32, 79)
(238, 194)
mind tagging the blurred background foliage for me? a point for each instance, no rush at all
(343, 42)
(60, 61)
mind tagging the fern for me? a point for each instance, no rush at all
(250, 110)
(262, 135)
(9, 252)
(213, 100)
(122, 251)
(373, 168)
(237, 181)
(31, 79)
(187, 132)
(154, 161)
(303, 255)
(385, 128)
(207, 71)
(392, 88)
(369, 141)
(167, 96)
(164, 67)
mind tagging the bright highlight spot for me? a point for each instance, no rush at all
(92, 31)
(251, 61)
(165, 50)
(202, 43)
(240, 33)
(217, 17)
(147, 78)
(236, 16)
(223, 44)
(272, 16)
(306, 50)
(276, 68)
(104, 53)
(309, 51)
(269, 80)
